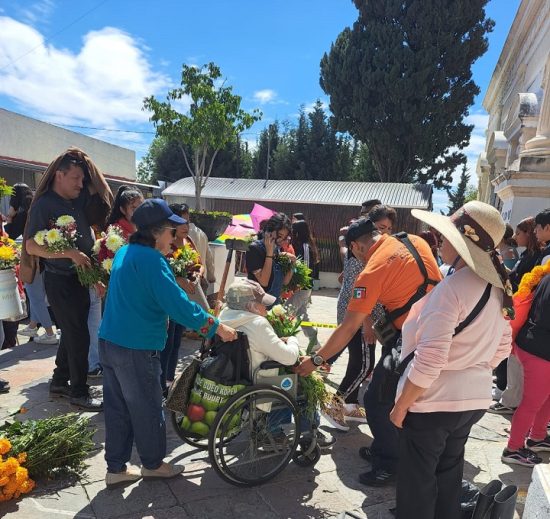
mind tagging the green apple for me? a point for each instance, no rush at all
(210, 405)
(209, 417)
(195, 397)
(185, 423)
(200, 428)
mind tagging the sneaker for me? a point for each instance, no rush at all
(165, 471)
(46, 339)
(60, 390)
(96, 373)
(28, 331)
(117, 479)
(366, 453)
(523, 457)
(496, 393)
(325, 440)
(87, 403)
(377, 478)
(333, 413)
(498, 408)
(538, 446)
(354, 413)
(4, 386)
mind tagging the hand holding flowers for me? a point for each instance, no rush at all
(185, 262)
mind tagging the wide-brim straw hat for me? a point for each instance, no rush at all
(474, 231)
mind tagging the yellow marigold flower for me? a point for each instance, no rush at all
(11, 487)
(5, 445)
(21, 474)
(65, 221)
(22, 457)
(53, 236)
(10, 466)
(7, 253)
(27, 486)
(4, 480)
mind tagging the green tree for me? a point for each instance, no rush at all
(215, 119)
(457, 197)
(163, 161)
(471, 194)
(400, 82)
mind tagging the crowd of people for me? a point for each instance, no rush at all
(440, 304)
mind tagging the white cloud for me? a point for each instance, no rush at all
(102, 84)
(265, 96)
(38, 11)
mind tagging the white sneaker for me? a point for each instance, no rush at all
(28, 331)
(46, 339)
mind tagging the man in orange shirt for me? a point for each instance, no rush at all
(392, 277)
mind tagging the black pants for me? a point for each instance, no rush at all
(360, 365)
(385, 443)
(70, 302)
(501, 373)
(431, 462)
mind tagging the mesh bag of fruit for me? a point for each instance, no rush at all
(224, 373)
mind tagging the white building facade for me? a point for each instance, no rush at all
(514, 170)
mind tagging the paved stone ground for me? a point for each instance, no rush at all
(324, 491)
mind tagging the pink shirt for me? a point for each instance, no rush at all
(457, 371)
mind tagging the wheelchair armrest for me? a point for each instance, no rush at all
(271, 364)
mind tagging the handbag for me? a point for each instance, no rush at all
(179, 391)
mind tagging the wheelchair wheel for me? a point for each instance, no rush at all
(254, 435)
(194, 440)
(306, 460)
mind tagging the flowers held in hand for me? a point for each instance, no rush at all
(9, 253)
(106, 247)
(284, 320)
(185, 262)
(301, 277)
(14, 478)
(60, 236)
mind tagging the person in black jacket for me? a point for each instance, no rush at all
(525, 237)
(20, 202)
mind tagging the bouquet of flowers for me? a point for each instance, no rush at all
(301, 277)
(106, 247)
(60, 237)
(284, 321)
(284, 261)
(9, 253)
(5, 190)
(48, 447)
(185, 262)
(14, 478)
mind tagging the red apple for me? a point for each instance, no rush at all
(195, 412)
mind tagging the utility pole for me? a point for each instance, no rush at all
(268, 154)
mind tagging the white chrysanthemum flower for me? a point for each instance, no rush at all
(278, 310)
(65, 221)
(107, 265)
(96, 247)
(53, 236)
(114, 242)
(39, 237)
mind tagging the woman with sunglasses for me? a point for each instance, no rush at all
(143, 294)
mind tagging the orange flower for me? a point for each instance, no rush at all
(4, 480)
(10, 466)
(22, 457)
(5, 445)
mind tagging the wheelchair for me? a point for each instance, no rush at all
(257, 432)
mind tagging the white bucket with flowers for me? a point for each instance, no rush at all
(10, 300)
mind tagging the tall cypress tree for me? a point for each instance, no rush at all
(400, 81)
(457, 197)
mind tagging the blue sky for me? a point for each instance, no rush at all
(90, 63)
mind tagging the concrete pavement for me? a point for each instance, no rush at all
(322, 492)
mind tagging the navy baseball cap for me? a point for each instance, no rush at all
(154, 211)
(358, 228)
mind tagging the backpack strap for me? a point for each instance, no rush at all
(422, 289)
(471, 316)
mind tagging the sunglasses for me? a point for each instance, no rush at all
(172, 231)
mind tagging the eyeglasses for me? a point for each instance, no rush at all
(172, 231)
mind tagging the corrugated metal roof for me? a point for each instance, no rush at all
(306, 191)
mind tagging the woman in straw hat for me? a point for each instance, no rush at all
(457, 334)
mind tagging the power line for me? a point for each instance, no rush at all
(101, 129)
(46, 40)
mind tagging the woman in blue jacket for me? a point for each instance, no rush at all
(142, 295)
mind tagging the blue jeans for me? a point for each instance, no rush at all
(37, 299)
(94, 320)
(385, 443)
(132, 402)
(280, 417)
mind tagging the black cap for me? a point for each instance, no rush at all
(154, 211)
(359, 228)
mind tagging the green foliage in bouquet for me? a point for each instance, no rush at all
(284, 321)
(55, 445)
(284, 261)
(301, 278)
